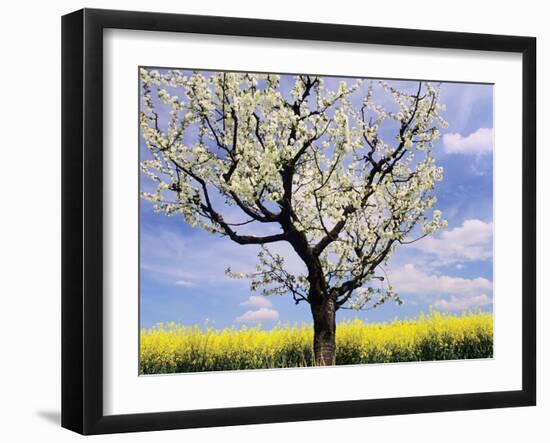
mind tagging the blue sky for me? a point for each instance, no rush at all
(182, 268)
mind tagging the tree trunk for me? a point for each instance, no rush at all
(324, 331)
(323, 305)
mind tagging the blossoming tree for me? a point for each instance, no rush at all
(339, 177)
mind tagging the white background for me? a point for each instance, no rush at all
(127, 393)
(30, 223)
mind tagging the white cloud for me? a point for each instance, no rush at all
(169, 256)
(443, 291)
(478, 142)
(473, 241)
(462, 303)
(410, 279)
(257, 301)
(185, 283)
(263, 310)
(259, 315)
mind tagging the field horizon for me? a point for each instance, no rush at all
(173, 348)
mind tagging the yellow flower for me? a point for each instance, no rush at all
(167, 348)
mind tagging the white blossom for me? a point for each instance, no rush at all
(310, 162)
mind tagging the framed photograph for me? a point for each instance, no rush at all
(269, 221)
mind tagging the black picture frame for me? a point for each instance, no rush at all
(82, 215)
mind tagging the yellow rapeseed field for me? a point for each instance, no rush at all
(170, 348)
